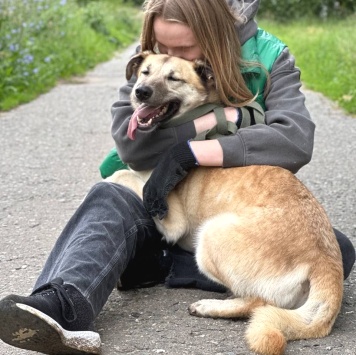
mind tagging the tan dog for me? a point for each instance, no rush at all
(167, 87)
(257, 230)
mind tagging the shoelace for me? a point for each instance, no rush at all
(62, 296)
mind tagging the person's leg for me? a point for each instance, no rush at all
(347, 252)
(108, 230)
(104, 234)
(149, 267)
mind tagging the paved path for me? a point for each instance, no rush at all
(50, 150)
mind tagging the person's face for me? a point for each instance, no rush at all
(176, 39)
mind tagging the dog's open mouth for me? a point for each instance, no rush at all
(146, 116)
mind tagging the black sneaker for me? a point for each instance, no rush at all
(54, 319)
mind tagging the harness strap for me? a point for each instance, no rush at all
(222, 128)
(189, 116)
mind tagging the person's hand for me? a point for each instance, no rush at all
(170, 170)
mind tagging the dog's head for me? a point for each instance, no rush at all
(167, 87)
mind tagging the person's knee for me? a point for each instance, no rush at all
(103, 188)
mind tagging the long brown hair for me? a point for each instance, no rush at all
(213, 26)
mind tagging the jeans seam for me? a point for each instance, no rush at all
(111, 263)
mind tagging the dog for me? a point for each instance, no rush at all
(257, 230)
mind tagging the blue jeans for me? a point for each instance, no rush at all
(110, 229)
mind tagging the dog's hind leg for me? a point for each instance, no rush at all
(217, 253)
(218, 249)
(228, 308)
(223, 251)
(226, 253)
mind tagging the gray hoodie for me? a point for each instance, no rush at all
(286, 140)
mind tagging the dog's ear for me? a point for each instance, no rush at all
(134, 63)
(203, 69)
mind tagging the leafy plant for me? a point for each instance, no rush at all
(294, 9)
(42, 41)
(325, 54)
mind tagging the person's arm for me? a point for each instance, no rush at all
(287, 138)
(207, 153)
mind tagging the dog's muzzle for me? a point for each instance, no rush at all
(143, 93)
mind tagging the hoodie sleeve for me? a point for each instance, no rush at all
(287, 138)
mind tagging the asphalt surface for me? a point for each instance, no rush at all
(50, 150)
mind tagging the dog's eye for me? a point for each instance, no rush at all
(145, 72)
(172, 78)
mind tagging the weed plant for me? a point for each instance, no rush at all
(42, 41)
(325, 53)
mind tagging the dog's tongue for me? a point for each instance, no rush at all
(132, 128)
(143, 111)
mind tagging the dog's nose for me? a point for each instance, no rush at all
(143, 92)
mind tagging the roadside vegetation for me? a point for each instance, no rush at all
(325, 53)
(42, 41)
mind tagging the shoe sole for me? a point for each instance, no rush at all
(28, 328)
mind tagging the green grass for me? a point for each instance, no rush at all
(325, 53)
(42, 41)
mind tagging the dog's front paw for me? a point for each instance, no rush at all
(202, 308)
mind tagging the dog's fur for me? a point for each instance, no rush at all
(257, 230)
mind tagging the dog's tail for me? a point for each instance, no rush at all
(271, 327)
